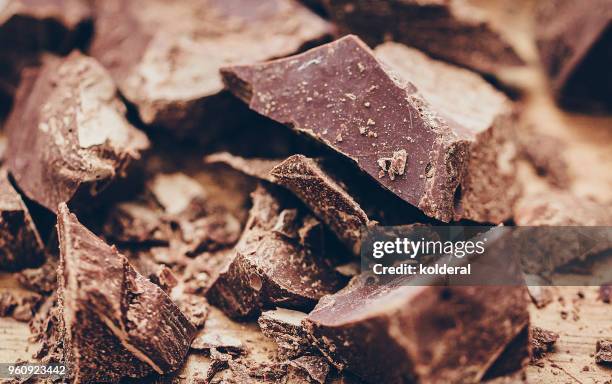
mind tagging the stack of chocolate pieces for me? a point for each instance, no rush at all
(173, 262)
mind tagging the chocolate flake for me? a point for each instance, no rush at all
(20, 243)
(542, 342)
(603, 354)
(456, 149)
(68, 133)
(270, 267)
(115, 323)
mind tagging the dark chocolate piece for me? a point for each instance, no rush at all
(399, 333)
(603, 354)
(605, 293)
(169, 70)
(67, 133)
(542, 342)
(312, 369)
(271, 266)
(457, 163)
(455, 30)
(136, 222)
(574, 43)
(325, 197)
(224, 343)
(284, 326)
(20, 243)
(560, 208)
(116, 323)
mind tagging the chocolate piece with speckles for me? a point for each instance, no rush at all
(284, 326)
(542, 341)
(324, 196)
(20, 243)
(397, 333)
(453, 30)
(114, 322)
(272, 264)
(603, 350)
(170, 70)
(67, 135)
(574, 43)
(450, 160)
(312, 369)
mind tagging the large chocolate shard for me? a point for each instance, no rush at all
(20, 243)
(169, 70)
(114, 322)
(431, 334)
(450, 160)
(455, 30)
(274, 263)
(67, 134)
(574, 43)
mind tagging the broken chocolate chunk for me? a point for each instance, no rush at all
(397, 333)
(455, 30)
(169, 70)
(20, 243)
(314, 369)
(67, 134)
(116, 323)
(270, 266)
(542, 342)
(324, 196)
(305, 178)
(574, 43)
(561, 208)
(603, 350)
(605, 293)
(458, 161)
(136, 222)
(284, 326)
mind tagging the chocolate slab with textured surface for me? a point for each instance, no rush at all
(274, 263)
(284, 326)
(67, 134)
(429, 334)
(455, 30)
(169, 70)
(20, 243)
(574, 43)
(115, 323)
(424, 152)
